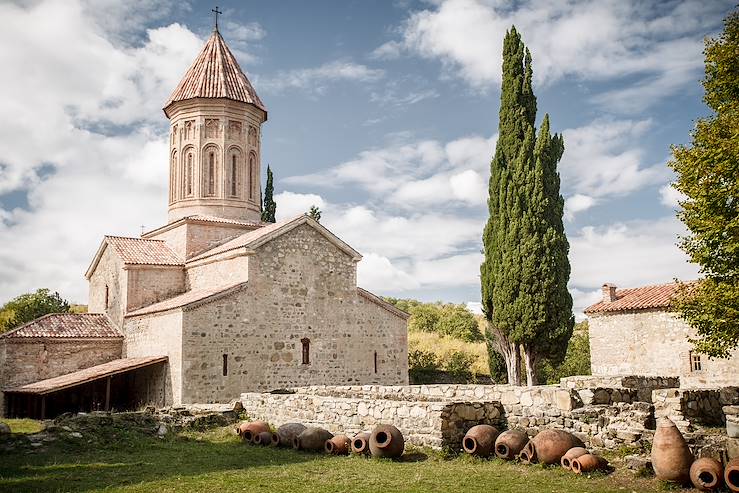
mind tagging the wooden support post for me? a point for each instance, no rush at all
(43, 407)
(107, 394)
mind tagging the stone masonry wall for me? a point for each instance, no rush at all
(150, 284)
(653, 343)
(109, 272)
(26, 361)
(301, 286)
(691, 408)
(221, 273)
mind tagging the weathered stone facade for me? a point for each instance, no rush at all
(654, 342)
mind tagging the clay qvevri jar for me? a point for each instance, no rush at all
(289, 432)
(267, 439)
(671, 457)
(588, 463)
(360, 443)
(731, 475)
(253, 429)
(338, 445)
(480, 440)
(548, 447)
(386, 441)
(570, 455)
(510, 443)
(312, 438)
(707, 474)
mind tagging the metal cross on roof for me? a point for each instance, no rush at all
(216, 13)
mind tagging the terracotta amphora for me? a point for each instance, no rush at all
(707, 474)
(267, 439)
(386, 441)
(253, 429)
(570, 455)
(360, 443)
(313, 439)
(671, 457)
(731, 475)
(338, 445)
(289, 432)
(480, 440)
(510, 443)
(588, 463)
(548, 447)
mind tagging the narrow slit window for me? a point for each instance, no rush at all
(252, 173)
(225, 365)
(375, 361)
(188, 175)
(211, 173)
(306, 351)
(107, 296)
(233, 175)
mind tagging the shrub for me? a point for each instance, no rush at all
(458, 322)
(577, 359)
(459, 365)
(422, 365)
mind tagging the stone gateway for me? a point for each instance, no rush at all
(214, 303)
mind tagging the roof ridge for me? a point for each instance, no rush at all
(133, 238)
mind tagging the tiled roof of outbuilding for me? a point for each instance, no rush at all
(143, 251)
(215, 73)
(643, 298)
(66, 326)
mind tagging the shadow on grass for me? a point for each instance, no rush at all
(68, 465)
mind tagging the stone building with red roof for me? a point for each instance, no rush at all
(215, 302)
(633, 332)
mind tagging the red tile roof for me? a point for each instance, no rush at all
(643, 298)
(143, 251)
(66, 326)
(189, 298)
(88, 374)
(223, 220)
(215, 73)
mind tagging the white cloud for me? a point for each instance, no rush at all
(377, 273)
(317, 79)
(577, 203)
(671, 197)
(291, 204)
(588, 40)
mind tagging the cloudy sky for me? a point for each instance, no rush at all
(384, 114)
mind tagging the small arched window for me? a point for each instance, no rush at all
(234, 172)
(211, 173)
(252, 173)
(187, 173)
(173, 178)
(306, 350)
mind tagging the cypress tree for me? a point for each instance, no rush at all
(525, 269)
(270, 206)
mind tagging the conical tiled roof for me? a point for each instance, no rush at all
(215, 73)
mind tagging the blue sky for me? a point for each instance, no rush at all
(382, 113)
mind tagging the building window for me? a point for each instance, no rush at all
(306, 350)
(211, 173)
(173, 178)
(375, 361)
(233, 175)
(187, 175)
(225, 365)
(107, 296)
(695, 362)
(252, 173)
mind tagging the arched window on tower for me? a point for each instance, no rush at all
(252, 173)
(173, 178)
(234, 172)
(187, 173)
(210, 171)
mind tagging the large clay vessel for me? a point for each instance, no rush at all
(671, 457)
(313, 438)
(731, 475)
(338, 445)
(480, 440)
(253, 429)
(386, 441)
(707, 474)
(571, 455)
(548, 447)
(360, 443)
(588, 463)
(267, 439)
(510, 443)
(289, 432)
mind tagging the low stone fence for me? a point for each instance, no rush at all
(691, 408)
(423, 422)
(642, 385)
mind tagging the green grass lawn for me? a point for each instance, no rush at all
(217, 461)
(24, 426)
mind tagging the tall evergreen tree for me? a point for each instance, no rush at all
(269, 209)
(525, 270)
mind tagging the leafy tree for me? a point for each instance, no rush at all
(422, 365)
(424, 317)
(707, 175)
(315, 213)
(270, 206)
(459, 366)
(496, 362)
(458, 322)
(576, 360)
(30, 306)
(525, 268)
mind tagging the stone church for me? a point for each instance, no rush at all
(215, 302)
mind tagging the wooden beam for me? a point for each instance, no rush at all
(43, 407)
(107, 394)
